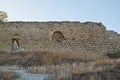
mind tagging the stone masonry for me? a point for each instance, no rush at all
(78, 37)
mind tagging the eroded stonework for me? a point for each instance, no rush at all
(73, 36)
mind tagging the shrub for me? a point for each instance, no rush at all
(113, 54)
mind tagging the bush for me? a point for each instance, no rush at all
(3, 16)
(113, 54)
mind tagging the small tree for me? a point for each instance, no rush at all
(3, 16)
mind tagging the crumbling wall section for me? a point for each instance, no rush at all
(74, 36)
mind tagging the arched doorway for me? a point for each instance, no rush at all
(58, 36)
(15, 44)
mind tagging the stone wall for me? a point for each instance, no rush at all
(73, 36)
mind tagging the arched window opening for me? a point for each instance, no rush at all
(58, 36)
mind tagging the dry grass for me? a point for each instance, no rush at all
(8, 75)
(108, 74)
(46, 57)
(51, 57)
(58, 61)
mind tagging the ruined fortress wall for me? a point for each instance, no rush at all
(74, 36)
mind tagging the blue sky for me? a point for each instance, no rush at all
(105, 11)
